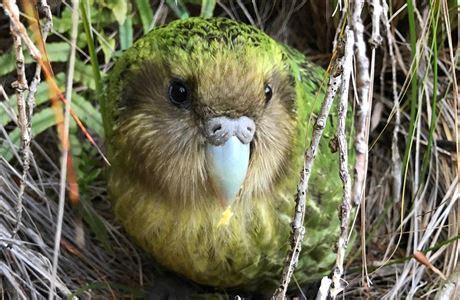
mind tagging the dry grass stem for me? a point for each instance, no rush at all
(377, 11)
(18, 29)
(395, 156)
(364, 103)
(345, 208)
(298, 229)
(65, 147)
(24, 108)
(363, 100)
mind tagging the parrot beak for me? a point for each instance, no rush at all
(227, 153)
(229, 164)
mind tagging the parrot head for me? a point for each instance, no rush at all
(205, 113)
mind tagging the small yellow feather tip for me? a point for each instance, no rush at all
(225, 217)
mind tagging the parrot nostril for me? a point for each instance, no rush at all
(219, 129)
(216, 128)
(246, 130)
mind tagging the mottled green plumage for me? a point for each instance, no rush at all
(159, 179)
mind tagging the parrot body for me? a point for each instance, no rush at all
(208, 115)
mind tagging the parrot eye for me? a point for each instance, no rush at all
(178, 93)
(268, 92)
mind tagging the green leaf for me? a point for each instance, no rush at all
(43, 93)
(146, 14)
(126, 33)
(119, 9)
(81, 40)
(107, 46)
(75, 145)
(7, 62)
(63, 23)
(41, 96)
(95, 223)
(84, 74)
(88, 114)
(41, 121)
(5, 107)
(207, 8)
(58, 52)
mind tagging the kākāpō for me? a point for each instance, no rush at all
(206, 124)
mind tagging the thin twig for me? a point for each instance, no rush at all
(65, 145)
(25, 105)
(44, 7)
(30, 104)
(377, 10)
(18, 29)
(323, 291)
(363, 83)
(342, 242)
(298, 229)
(364, 103)
(23, 121)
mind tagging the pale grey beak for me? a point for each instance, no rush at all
(227, 152)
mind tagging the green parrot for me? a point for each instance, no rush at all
(206, 122)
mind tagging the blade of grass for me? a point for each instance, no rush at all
(207, 8)
(85, 13)
(95, 223)
(413, 116)
(414, 81)
(434, 60)
(67, 170)
(178, 8)
(145, 13)
(126, 33)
